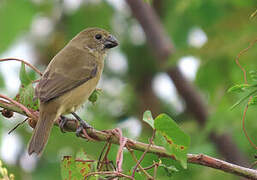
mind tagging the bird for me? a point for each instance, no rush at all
(68, 81)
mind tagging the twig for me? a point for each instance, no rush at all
(147, 168)
(20, 60)
(108, 173)
(17, 125)
(84, 161)
(21, 106)
(245, 81)
(155, 170)
(143, 155)
(122, 142)
(158, 150)
(108, 146)
(140, 167)
(222, 165)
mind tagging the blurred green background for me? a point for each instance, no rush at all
(207, 36)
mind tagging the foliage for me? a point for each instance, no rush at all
(27, 92)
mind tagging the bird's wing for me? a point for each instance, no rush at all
(69, 74)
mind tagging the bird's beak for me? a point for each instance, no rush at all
(110, 42)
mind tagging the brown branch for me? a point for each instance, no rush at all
(71, 126)
(20, 60)
(157, 38)
(19, 105)
(222, 165)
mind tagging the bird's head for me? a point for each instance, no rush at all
(95, 39)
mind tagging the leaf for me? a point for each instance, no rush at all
(238, 88)
(243, 98)
(253, 101)
(147, 117)
(94, 96)
(169, 169)
(26, 95)
(176, 141)
(74, 170)
(253, 14)
(24, 77)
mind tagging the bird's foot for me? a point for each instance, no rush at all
(83, 125)
(62, 122)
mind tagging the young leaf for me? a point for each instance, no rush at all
(238, 88)
(94, 96)
(243, 98)
(24, 78)
(169, 169)
(26, 95)
(147, 117)
(176, 141)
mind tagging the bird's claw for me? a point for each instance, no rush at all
(83, 125)
(62, 122)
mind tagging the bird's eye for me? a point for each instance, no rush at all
(98, 36)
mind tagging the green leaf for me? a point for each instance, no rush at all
(24, 77)
(74, 170)
(238, 88)
(94, 96)
(169, 169)
(147, 117)
(253, 101)
(176, 141)
(26, 95)
(243, 98)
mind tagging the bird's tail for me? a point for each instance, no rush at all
(42, 131)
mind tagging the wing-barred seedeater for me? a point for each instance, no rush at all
(68, 81)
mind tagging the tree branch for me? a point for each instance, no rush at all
(203, 160)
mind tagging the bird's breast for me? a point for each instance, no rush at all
(75, 98)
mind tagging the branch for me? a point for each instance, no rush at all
(203, 160)
(20, 60)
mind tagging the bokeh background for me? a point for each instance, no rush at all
(207, 36)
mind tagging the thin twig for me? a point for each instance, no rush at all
(15, 127)
(100, 157)
(245, 81)
(21, 60)
(21, 106)
(143, 155)
(122, 142)
(155, 170)
(108, 173)
(147, 168)
(239, 55)
(140, 167)
(84, 161)
(108, 146)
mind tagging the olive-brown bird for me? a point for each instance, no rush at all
(69, 80)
